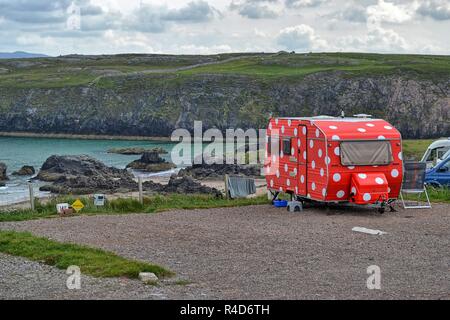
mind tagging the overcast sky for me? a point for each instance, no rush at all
(57, 27)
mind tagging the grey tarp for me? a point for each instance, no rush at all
(240, 187)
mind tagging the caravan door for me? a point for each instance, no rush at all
(302, 160)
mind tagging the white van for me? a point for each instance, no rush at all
(436, 152)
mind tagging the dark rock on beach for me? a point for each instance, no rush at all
(57, 167)
(83, 175)
(151, 162)
(25, 171)
(182, 185)
(187, 185)
(89, 185)
(137, 150)
(3, 176)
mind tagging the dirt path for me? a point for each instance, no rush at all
(261, 252)
(172, 70)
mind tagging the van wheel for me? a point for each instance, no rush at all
(381, 210)
(434, 185)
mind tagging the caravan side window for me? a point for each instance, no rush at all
(287, 146)
(273, 145)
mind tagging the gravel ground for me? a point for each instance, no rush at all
(22, 279)
(257, 252)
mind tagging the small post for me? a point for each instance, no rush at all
(227, 189)
(141, 193)
(30, 188)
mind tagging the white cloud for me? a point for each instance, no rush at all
(193, 49)
(389, 12)
(386, 40)
(136, 44)
(380, 38)
(211, 26)
(352, 13)
(150, 18)
(260, 33)
(435, 9)
(303, 3)
(257, 9)
(33, 39)
(300, 38)
(194, 11)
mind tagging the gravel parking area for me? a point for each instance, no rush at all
(257, 252)
(21, 279)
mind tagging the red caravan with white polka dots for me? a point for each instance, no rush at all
(313, 168)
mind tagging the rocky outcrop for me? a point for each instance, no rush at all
(151, 162)
(25, 171)
(83, 175)
(84, 185)
(89, 185)
(155, 105)
(137, 150)
(181, 185)
(218, 171)
(57, 167)
(3, 168)
(187, 185)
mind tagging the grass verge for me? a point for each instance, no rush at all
(152, 204)
(94, 262)
(415, 149)
(439, 194)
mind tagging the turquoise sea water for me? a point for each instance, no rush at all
(17, 152)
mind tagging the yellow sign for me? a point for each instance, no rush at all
(77, 205)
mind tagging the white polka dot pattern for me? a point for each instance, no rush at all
(317, 146)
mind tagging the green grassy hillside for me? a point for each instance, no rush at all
(85, 70)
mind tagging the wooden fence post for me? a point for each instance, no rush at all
(31, 191)
(141, 193)
(227, 188)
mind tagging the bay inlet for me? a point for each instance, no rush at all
(16, 152)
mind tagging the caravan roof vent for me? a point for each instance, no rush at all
(362, 115)
(323, 117)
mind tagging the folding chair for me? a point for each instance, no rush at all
(414, 184)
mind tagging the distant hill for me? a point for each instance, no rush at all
(20, 55)
(151, 95)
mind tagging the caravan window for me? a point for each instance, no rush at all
(366, 153)
(287, 146)
(273, 145)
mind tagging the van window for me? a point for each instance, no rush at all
(366, 153)
(445, 167)
(269, 145)
(287, 146)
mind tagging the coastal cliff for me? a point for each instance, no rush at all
(413, 94)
